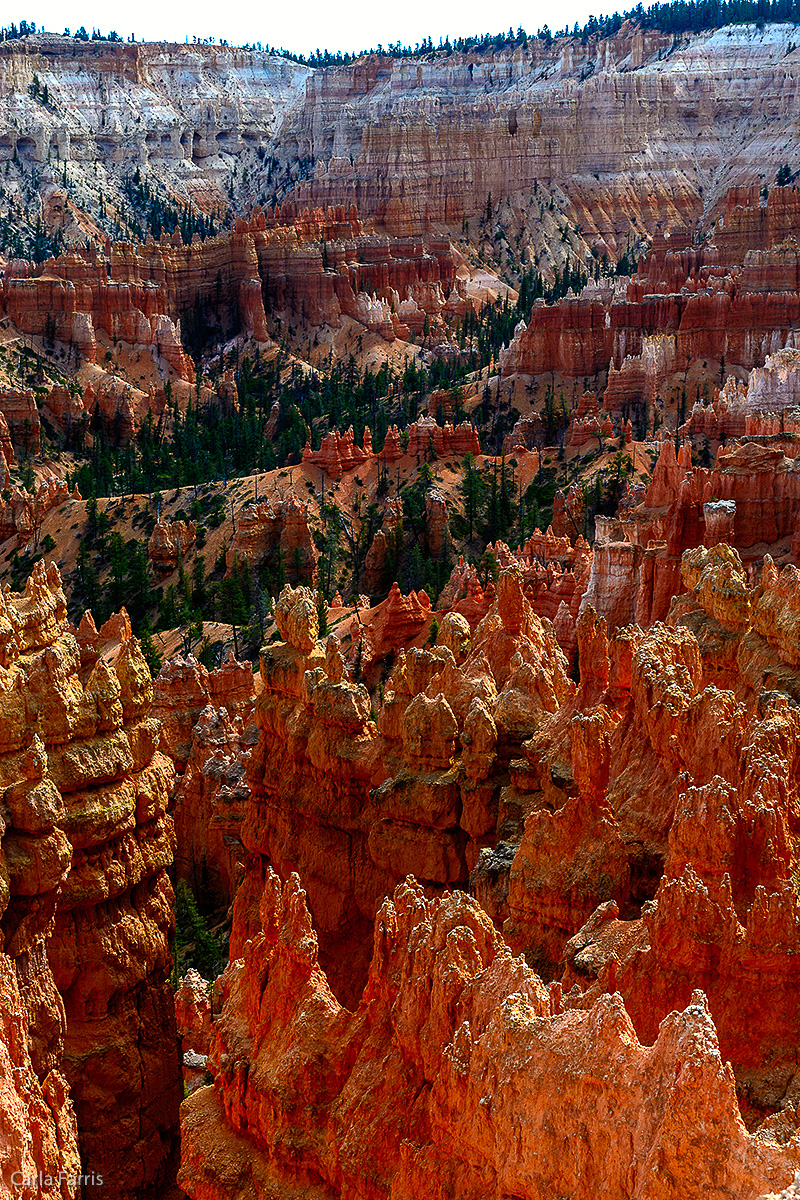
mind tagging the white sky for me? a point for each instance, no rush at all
(304, 25)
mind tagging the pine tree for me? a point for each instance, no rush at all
(493, 511)
(148, 648)
(488, 568)
(322, 614)
(473, 490)
(505, 513)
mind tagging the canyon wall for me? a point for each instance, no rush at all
(208, 730)
(318, 270)
(184, 111)
(732, 304)
(608, 129)
(36, 1112)
(750, 498)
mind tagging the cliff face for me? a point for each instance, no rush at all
(750, 499)
(724, 301)
(138, 294)
(88, 905)
(455, 1075)
(318, 268)
(390, 173)
(38, 1118)
(609, 130)
(274, 531)
(185, 111)
(40, 1136)
(208, 730)
(590, 122)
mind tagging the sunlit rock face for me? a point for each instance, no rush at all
(456, 1070)
(87, 901)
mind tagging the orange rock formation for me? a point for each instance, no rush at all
(320, 266)
(750, 498)
(633, 836)
(339, 453)
(87, 905)
(456, 1074)
(728, 303)
(207, 730)
(266, 529)
(169, 542)
(372, 803)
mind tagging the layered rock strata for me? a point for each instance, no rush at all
(376, 133)
(555, 576)
(750, 498)
(210, 803)
(37, 1115)
(39, 1155)
(88, 916)
(185, 113)
(168, 544)
(425, 438)
(683, 306)
(320, 268)
(277, 534)
(633, 836)
(659, 806)
(22, 418)
(585, 118)
(22, 512)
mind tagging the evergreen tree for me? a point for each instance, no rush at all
(232, 602)
(473, 490)
(493, 510)
(488, 568)
(505, 506)
(322, 614)
(151, 655)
